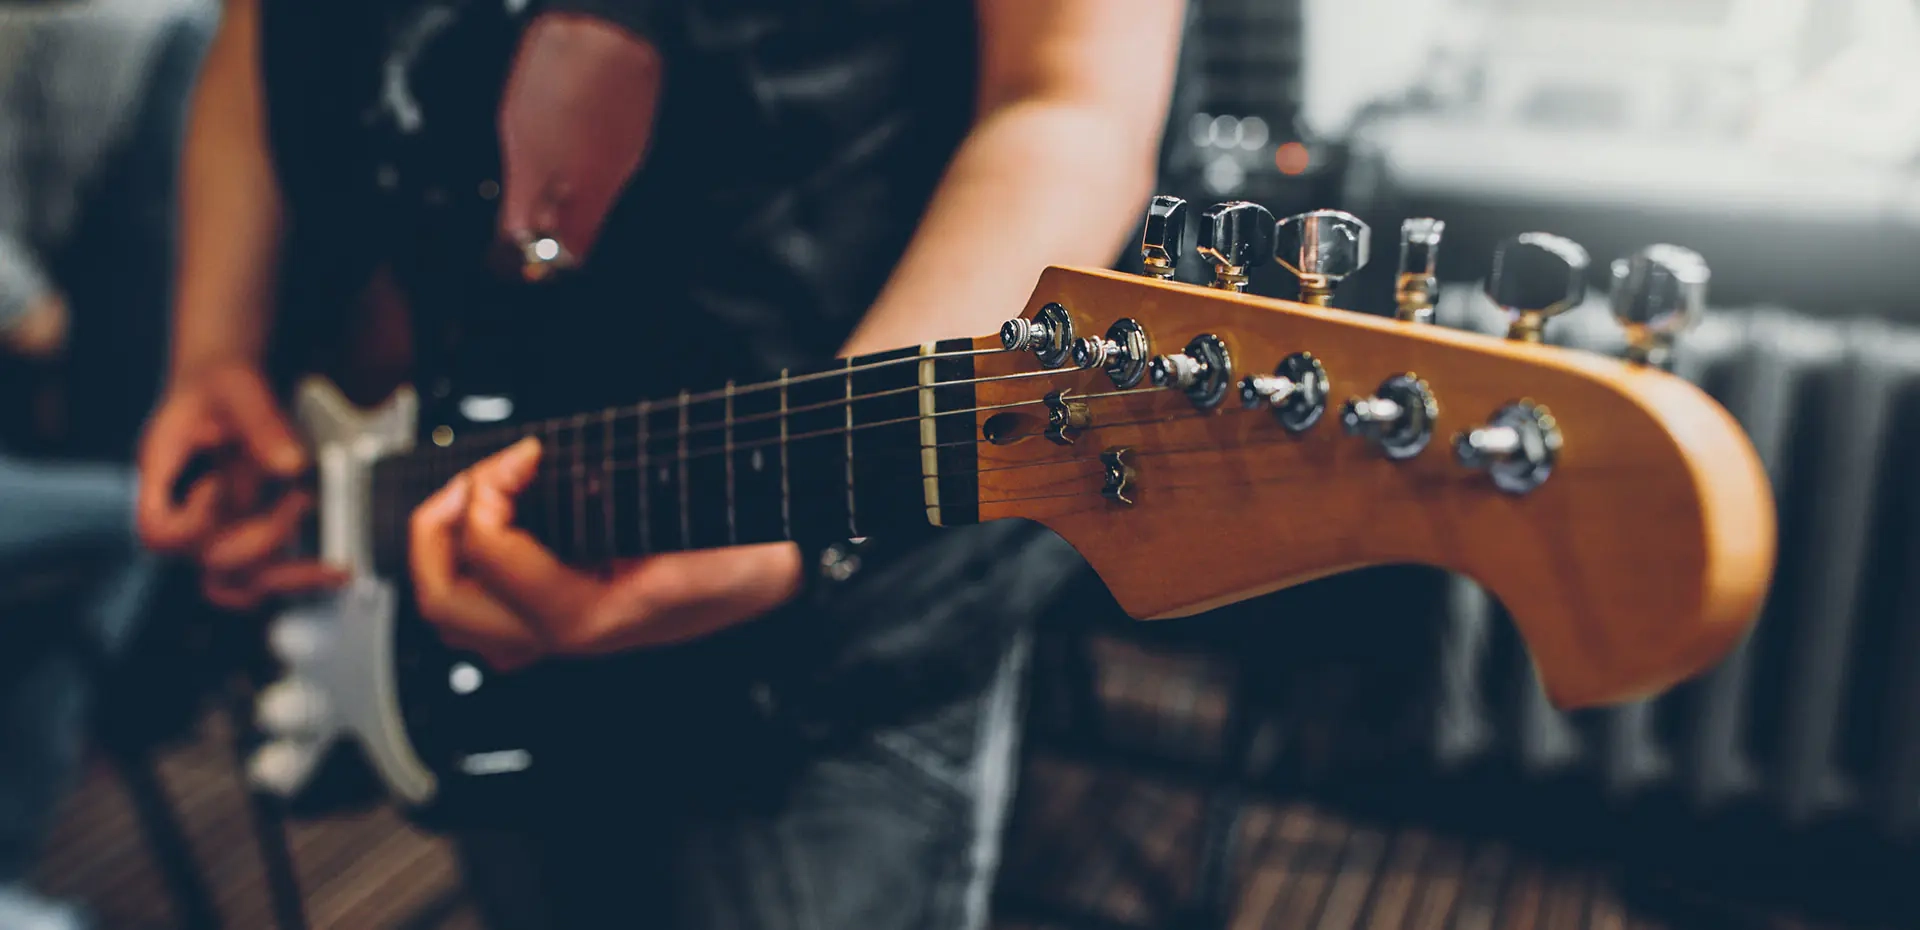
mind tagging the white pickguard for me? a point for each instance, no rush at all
(338, 649)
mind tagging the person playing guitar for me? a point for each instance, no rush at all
(732, 187)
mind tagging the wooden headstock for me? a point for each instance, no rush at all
(1639, 561)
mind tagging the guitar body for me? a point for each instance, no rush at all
(370, 689)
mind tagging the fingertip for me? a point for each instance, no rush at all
(450, 501)
(286, 460)
(522, 454)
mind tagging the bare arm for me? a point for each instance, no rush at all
(217, 398)
(1073, 98)
(230, 206)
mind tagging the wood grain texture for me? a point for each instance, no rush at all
(1638, 564)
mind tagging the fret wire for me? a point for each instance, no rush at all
(646, 479)
(786, 494)
(606, 487)
(553, 480)
(853, 529)
(733, 535)
(580, 486)
(686, 520)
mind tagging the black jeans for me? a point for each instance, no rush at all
(895, 824)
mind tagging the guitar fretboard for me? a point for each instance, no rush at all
(871, 446)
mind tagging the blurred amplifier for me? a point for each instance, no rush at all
(1815, 720)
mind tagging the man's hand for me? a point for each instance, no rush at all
(42, 333)
(493, 590)
(574, 123)
(227, 411)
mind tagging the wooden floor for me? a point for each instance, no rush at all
(1085, 842)
(1089, 846)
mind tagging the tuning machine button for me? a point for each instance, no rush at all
(1124, 353)
(1419, 282)
(1049, 335)
(1204, 371)
(1164, 236)
(1296, 392)
(1537, 276)
(1398, 418)
(1321, 248)
(1236, 237)
(1657, 294)
(1516, 448)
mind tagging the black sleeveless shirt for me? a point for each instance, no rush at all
(797, 144)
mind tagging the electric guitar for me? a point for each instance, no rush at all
(1196, 444)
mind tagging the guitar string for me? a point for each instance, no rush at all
(560, 458)
(1091, 495)
(388, 514)
(644, 408)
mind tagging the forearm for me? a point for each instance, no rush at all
(230, 212)
(1036, 183)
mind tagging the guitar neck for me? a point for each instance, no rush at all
(876, 445)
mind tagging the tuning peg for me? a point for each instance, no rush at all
(1203, 372)
(1537, 276)
(1236, 237)
(1516, 447)
(1419, 281)
(1321, 248)
(1657, 294)
(1124, 353)
(1296, 392)
(1398, 419)
(1165, 236)
(1049, 335)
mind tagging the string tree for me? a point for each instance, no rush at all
(1321, 248)
(1658, 293)
(1398, 418)
(1236, 237)
(1123, 353)
(1117, 475)
(1536, 277)
(1164, 237)
(1417, 287)
(1516, 447)
(1048, 335)
(1067, 417)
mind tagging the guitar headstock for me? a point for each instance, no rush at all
(1200, 446)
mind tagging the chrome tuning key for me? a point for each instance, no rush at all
(1418, 286)
(1398, 418)
(1321, 248)
(1049, 335)
(1204, 371)
(1516, 448)
(1296, 392)
(1536, 277)
(1124, 353)
(1236, 237)
(1658, 293)
(1165, 236)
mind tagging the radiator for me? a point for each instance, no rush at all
(1816, 716)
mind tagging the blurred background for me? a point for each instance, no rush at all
(1368, 751)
